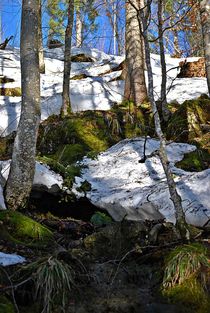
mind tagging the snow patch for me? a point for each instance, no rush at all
(10, 259)
(125, 186)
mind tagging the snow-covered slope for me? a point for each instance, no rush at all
(96, 92)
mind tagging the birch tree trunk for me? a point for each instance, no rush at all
(135, 86)
(181, 225)
(205, 23)
(22, 167)
(164, 107)
(66, 104)
(41, 50)
(79, 37)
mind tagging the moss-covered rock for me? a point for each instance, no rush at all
(188, 122)
(17, 227)
(195, 161)
(64, 141)
(10, 91)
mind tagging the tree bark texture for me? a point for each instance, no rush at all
(205, 23)
(164, 107)
(176, 199)
(79, 27)
(135, 86)
(66, 104)
(41, 50)
(21, 175)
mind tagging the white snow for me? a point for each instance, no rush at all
(96, 92)
(44, 179)
(10, 259)
(123, 186)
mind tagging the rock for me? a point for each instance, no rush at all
(192, 69)
(187, 122)
(127, 188)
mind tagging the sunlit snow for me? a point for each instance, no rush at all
(96, 92)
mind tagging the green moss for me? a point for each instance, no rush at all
(6, 306)
(12, 92)
(70, 153)
(192, 294)
(100, 219)
(186, 123)
(198, 160)
(20, 228)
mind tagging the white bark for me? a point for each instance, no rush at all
(205, 22)
(79, 27)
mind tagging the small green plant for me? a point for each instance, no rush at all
(100, 219)
(54, 280)
(185, 276)
(183, 263)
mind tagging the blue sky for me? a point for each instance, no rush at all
(10, 19)
(10, 11)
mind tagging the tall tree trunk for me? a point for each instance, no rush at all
(66, 105)
(205, 22)
(41, 50)
(135, 86)
(79, 26)
(176, 199)
(163, 100)
(22, 167)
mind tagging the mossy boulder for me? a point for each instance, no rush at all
(195, 161)
(19, 228)
(64, 141)
(189, 122)
(85, 132)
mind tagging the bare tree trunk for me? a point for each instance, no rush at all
(66, 105)
(205, 22)
(41, 50)
(135, 86)
(22, 167)
(163, 99)
(79, 26)
(176, 199)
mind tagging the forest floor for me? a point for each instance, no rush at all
(116, 267)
